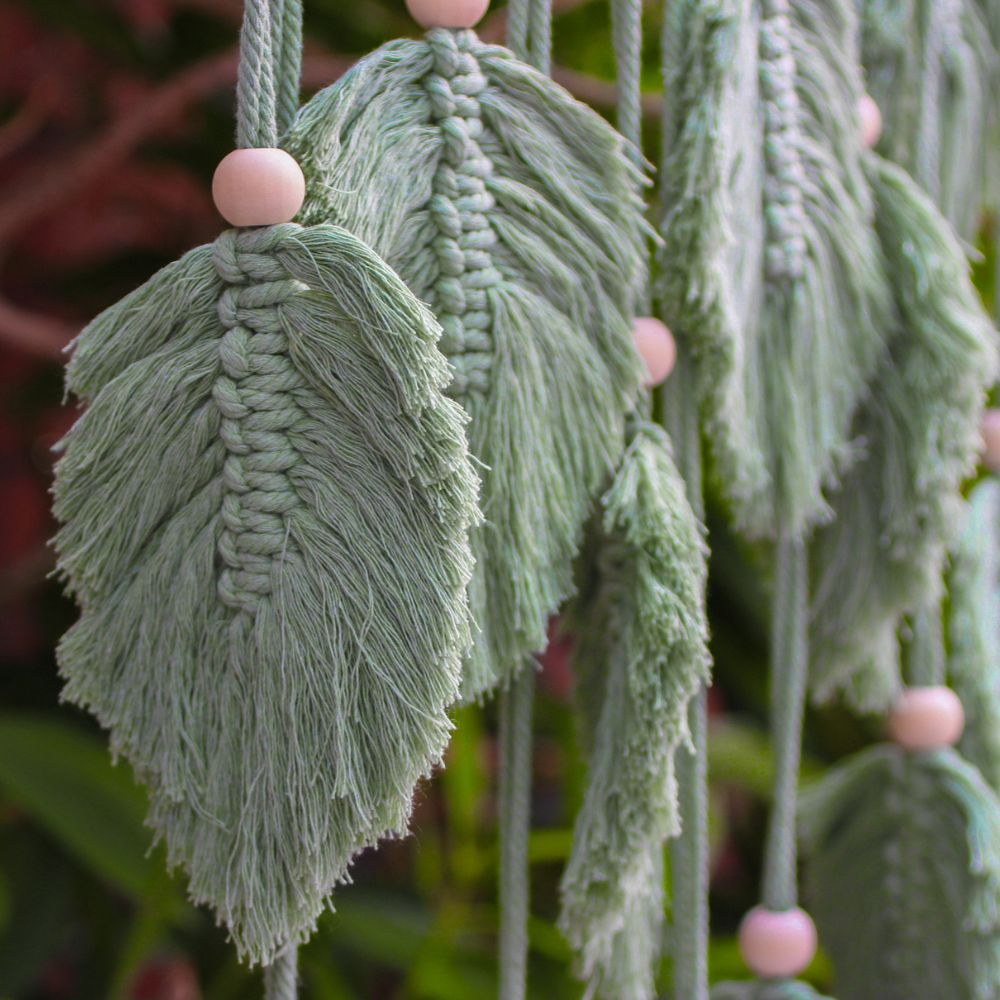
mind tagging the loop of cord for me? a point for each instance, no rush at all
(255, 396)
(459, 207)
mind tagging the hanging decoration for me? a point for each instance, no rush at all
(515, 212)
(265, 514)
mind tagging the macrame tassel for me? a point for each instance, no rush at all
(931, 67)
(974, 629)
(770, 270)
(640, 656)
(903, 874)
(897, 508)
(513, 210)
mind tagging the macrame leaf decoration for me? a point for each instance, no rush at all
(766, 989)
(265, 509)
(770, 270)
(640, 654)
(903, 876)
(898, 507)
(930, 65)
(974, 629)
(513, 211)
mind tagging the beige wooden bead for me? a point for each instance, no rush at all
(989, 429)
(871, 120)
(777, 944)
(258, 187)
(926, 718)
(656, 345)
(447, 13)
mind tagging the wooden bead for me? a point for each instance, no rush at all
(656, 345)
(258, 187)
(447, 13)
(871, 121)
(926, 718)
(989, 429)
(777, 944)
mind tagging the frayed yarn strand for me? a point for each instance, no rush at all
(265, 512)
(514, 212)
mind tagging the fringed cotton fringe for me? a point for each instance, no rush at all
(917, 433)
(766, 989)
(512, 210)
(974, 629)
(265, 509)
(902, 856)
(639, 622)
(770, 270)
(931, 67)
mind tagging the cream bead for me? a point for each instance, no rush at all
(777, 944)
(989, 429)
(447, 13)
(926, 718)
(871, 120)
(656, 345)
(258, 187)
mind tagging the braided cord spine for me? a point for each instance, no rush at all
(784, 175)
(459, 207)
(255, 397)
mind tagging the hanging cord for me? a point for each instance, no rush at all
(267, 90)
(689, 866)
(626, 39)
(789, 666)
(529, 36)
(926, 650)
(937, 29)
(287, 42)
(515, 823)
(689, 851)
(280, 977)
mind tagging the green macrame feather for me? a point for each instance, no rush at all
(917, 432)
(770, 271)
(903, 876)
(511, 210)
(766, 989)
(265, 510)
(931, 67)
(640, 655)
(974, 629)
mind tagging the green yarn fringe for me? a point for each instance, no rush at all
(931, 67)
(766, 989)
(265, 512)
(641, 654)
(770, 270)
(974, 629)
(514, 212)
(899, 506)
(902, 859)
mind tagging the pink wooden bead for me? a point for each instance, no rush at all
(447, 13)
(989, 428)
(871, 121)
(656, 345)
(777, 944)
(926, 718)
(258, 187)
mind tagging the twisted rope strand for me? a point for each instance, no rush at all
(255, 103)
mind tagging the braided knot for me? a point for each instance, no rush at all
(255, 396)
(784, 214)
(459, 207)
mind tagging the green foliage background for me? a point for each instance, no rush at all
(86, 910)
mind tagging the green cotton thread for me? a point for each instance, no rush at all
(272, 559)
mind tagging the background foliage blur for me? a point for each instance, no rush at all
(113, 115)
